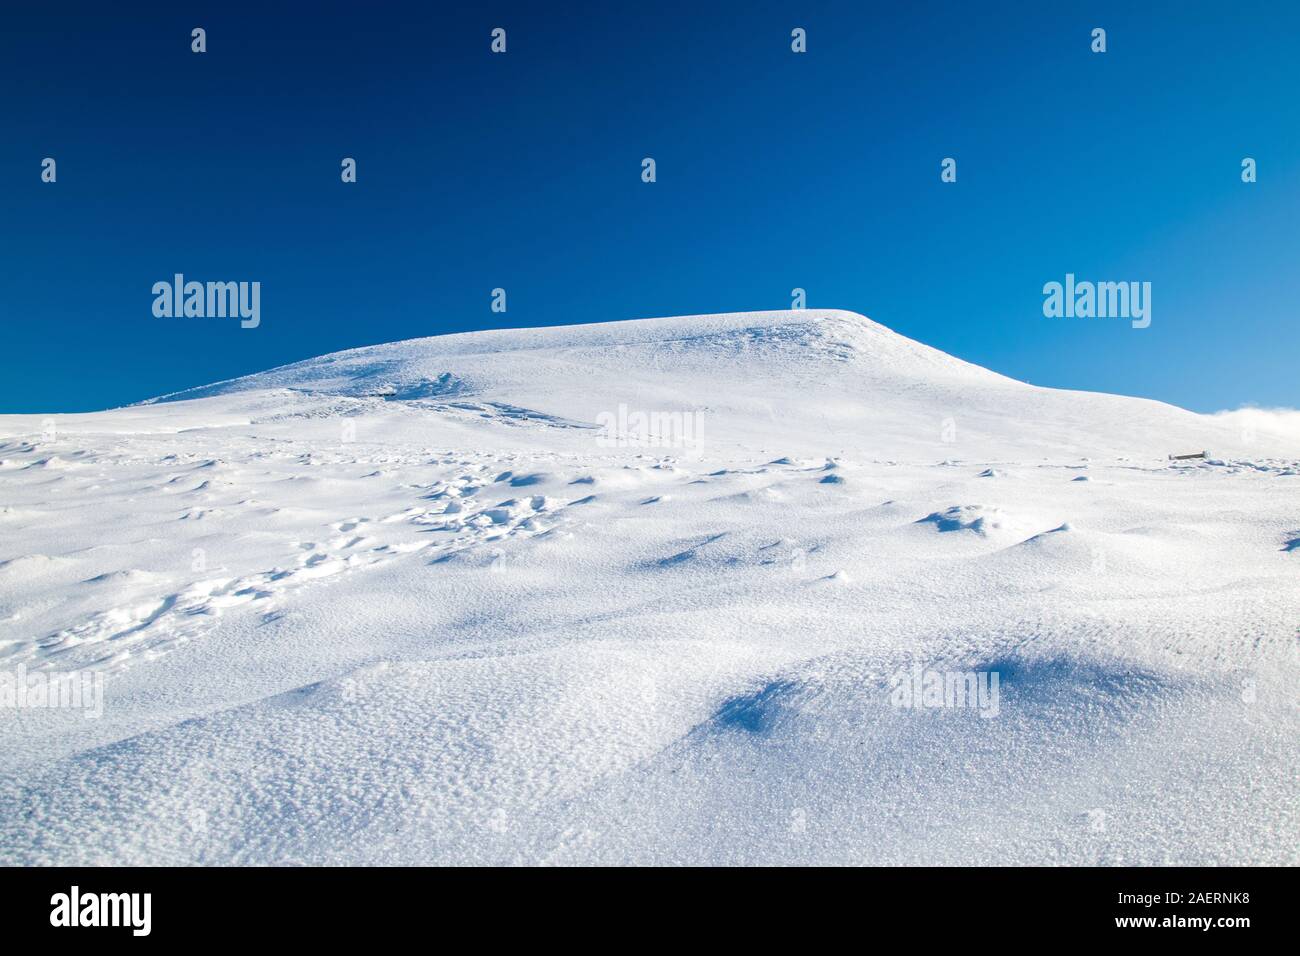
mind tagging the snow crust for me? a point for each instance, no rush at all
(415, 603)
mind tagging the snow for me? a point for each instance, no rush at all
(411, 603)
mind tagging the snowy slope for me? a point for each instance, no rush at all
(411, 603)
(835, 377)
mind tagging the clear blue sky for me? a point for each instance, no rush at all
(775, 170)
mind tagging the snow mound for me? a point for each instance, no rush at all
(830, 374)
(981, 520)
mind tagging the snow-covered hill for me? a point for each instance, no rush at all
(810, 377)
(650, 591)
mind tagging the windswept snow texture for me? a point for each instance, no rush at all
(443, 601)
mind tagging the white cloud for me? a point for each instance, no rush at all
(1284, 422)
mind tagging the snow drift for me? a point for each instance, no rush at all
(423, 603)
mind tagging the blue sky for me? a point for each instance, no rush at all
(775, 171)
